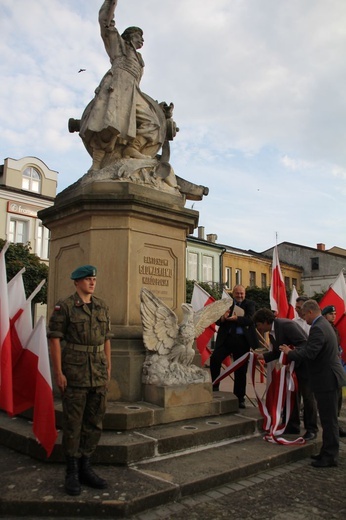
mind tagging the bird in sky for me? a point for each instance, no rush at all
(81, 70)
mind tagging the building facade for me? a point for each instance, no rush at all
(27, 185)
(319, 267)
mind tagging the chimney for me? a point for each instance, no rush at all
(201, 232)
(212, 238)
(321, 247)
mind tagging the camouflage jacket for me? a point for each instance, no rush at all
(74, 323)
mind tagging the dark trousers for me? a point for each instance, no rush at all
(327, 404)
(309, 403)
(83, 413)
(236, 345)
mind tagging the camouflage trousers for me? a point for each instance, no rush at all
(83, 413)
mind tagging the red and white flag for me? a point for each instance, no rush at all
(16, 295)
(336, 295)
(200, 298)
(277, 294)
(33, 386)
(6, 396)
(292, 313)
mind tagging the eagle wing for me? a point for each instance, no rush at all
(210, 314)
(160, 323)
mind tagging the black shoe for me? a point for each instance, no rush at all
(309, 436)
(72, 484)
(242, 404)
(317, 456)
(215, 388)
(324, 463)
(88, 476)
(291, 429)
(342, 432)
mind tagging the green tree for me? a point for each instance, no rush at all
(259, 296)
(18, 256)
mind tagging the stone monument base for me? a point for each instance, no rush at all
(180, 395)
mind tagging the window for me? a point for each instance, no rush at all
(263, 280)
(228, 277)
(238, 277)
(42, 240)
(294, 282)
(192, 266)
(31, 180)
(18, 231)
(315, 263)
(207, 268)
(287, 282)
(252, 279)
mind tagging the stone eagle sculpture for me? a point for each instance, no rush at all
(169, 344)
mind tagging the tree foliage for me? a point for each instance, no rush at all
(18, 256)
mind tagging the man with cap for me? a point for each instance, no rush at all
(79, 337)
(329, 313)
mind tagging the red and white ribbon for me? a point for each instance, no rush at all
(280, 394)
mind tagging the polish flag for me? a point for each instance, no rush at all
(21, 322)
(6, 397)
(292, 313)
(200, 298)
(336, 295)
(33, 385)
(16, 295)
(278, 296)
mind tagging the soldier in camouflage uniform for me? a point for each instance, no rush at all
(79, 336)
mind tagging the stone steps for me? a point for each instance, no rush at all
(146, 439)
(152, 464)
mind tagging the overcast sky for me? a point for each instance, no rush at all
(259, 88)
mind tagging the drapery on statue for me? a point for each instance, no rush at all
(121, 122)
(170, 345)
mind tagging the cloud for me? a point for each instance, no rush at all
(257, 88)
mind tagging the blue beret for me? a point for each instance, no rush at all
(83, 272)
(328, 309)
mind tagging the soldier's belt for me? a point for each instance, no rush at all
(86, 348)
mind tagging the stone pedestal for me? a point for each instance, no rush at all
(136, 236)
(178, 396)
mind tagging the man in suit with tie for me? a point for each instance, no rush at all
(288, 332)
(326, 377)
(235, 337)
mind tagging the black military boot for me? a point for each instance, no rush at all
(88, 476)
(72, 485)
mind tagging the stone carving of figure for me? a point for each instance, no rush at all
(121, 121)
(170, 345)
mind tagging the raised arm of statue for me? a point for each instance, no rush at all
(106, 15)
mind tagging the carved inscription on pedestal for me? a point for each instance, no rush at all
(156, 269)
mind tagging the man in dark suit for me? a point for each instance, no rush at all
(283, 331)
(235, 337)
(326, 376)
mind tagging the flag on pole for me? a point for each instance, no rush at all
(200, 298)
(336, 295)
(16, 295)
(33, 386)
(21, 327)
(277, 294)
(292, 313)
(6, 396)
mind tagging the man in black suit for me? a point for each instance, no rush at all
(326, 376)
(283, 331)
(235, 337)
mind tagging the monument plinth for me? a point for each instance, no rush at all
(136, 236)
